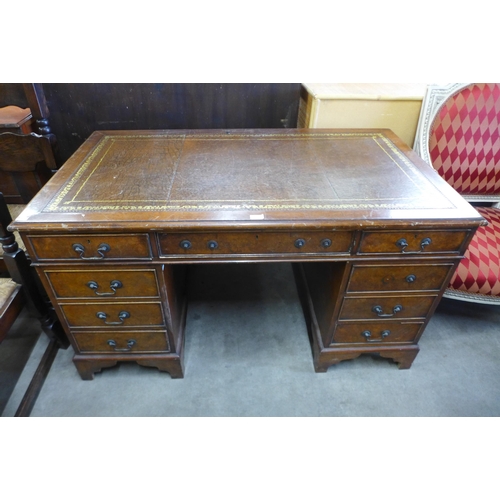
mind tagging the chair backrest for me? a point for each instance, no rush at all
(21, 153)
(25, 95)
(26, 164)
(459, 135)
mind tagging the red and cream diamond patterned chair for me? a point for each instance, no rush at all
(459, 135)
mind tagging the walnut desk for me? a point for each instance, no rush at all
(373, 232)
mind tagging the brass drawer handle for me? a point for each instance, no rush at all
(402, 243)
(367, 335)
(130, 343)
(380, 312)
(80, 249)
(299, 243)
(122, 316)
(114, 285)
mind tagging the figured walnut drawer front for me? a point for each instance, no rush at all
(92, 247)
(113, 314)
(398, 277)
(376, 332)
(186, 244)
(91, 283)
(414, 306)
(120, 343)
(412, 242)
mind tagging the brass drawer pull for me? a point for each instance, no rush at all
(130, 343)
(380, 312)
(411, 278)
(367, 335)
(80, 249)
(185, 244)
(122, 316)
(114, 285)
(402, 243)
(327, 242)
(212, 245)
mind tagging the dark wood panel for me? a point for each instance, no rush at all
(77, 109)
(12, 94)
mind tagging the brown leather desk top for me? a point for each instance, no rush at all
(150, 180)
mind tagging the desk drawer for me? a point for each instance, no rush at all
(187, 244)
(91, 247)
(98, 283)
(122, 343)
(412, 242)
(113, 314)
(398, 277)
(397, 307)
(378, 332)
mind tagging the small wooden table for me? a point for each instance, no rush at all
(373, 232)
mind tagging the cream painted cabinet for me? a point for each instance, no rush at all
(395, 106)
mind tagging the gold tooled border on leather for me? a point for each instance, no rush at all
(60, 204)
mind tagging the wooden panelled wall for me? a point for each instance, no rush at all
(77, 109)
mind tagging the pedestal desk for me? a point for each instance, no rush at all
(374, 235)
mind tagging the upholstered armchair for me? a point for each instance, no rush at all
(459, 135)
